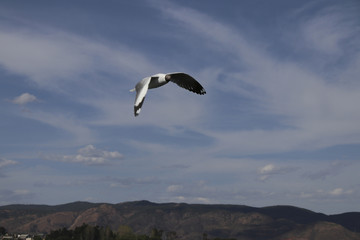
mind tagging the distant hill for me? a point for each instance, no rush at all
(189, 221)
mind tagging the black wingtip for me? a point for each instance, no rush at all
(186, 81)
(138, 107)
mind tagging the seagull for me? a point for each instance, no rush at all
(181, 79)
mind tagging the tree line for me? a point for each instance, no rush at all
(87, 232)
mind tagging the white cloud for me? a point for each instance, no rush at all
(179, 199)
(336, 191)
(267, 169)
(90, 150)
(202, 200)
(174, 188)
(88, 155)
(24, 99)
(195, 192)
(271, 170)
(340, 191)
(6, 162)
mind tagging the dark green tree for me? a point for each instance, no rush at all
(107, 234)
(61, 234)
(2, 231)
(156, 234)
(204, 236)
(171, 235)
(125, 233)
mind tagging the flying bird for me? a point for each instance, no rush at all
(181, 79)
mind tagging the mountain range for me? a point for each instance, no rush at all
(189, 221)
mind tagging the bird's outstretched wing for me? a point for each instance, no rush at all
(186, 81)
(141, 90)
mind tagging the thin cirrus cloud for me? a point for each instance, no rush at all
(118, 182)
(67, 64)
(313, 112)
(328, 195)
(15, 195)
(81, 134)
(330, 170)
(52, 58)
(321, 34)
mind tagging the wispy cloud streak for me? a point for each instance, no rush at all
(313, 112)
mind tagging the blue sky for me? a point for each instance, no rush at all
(279, 123)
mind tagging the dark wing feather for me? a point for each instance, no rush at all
(137, 108)
(186, 81)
